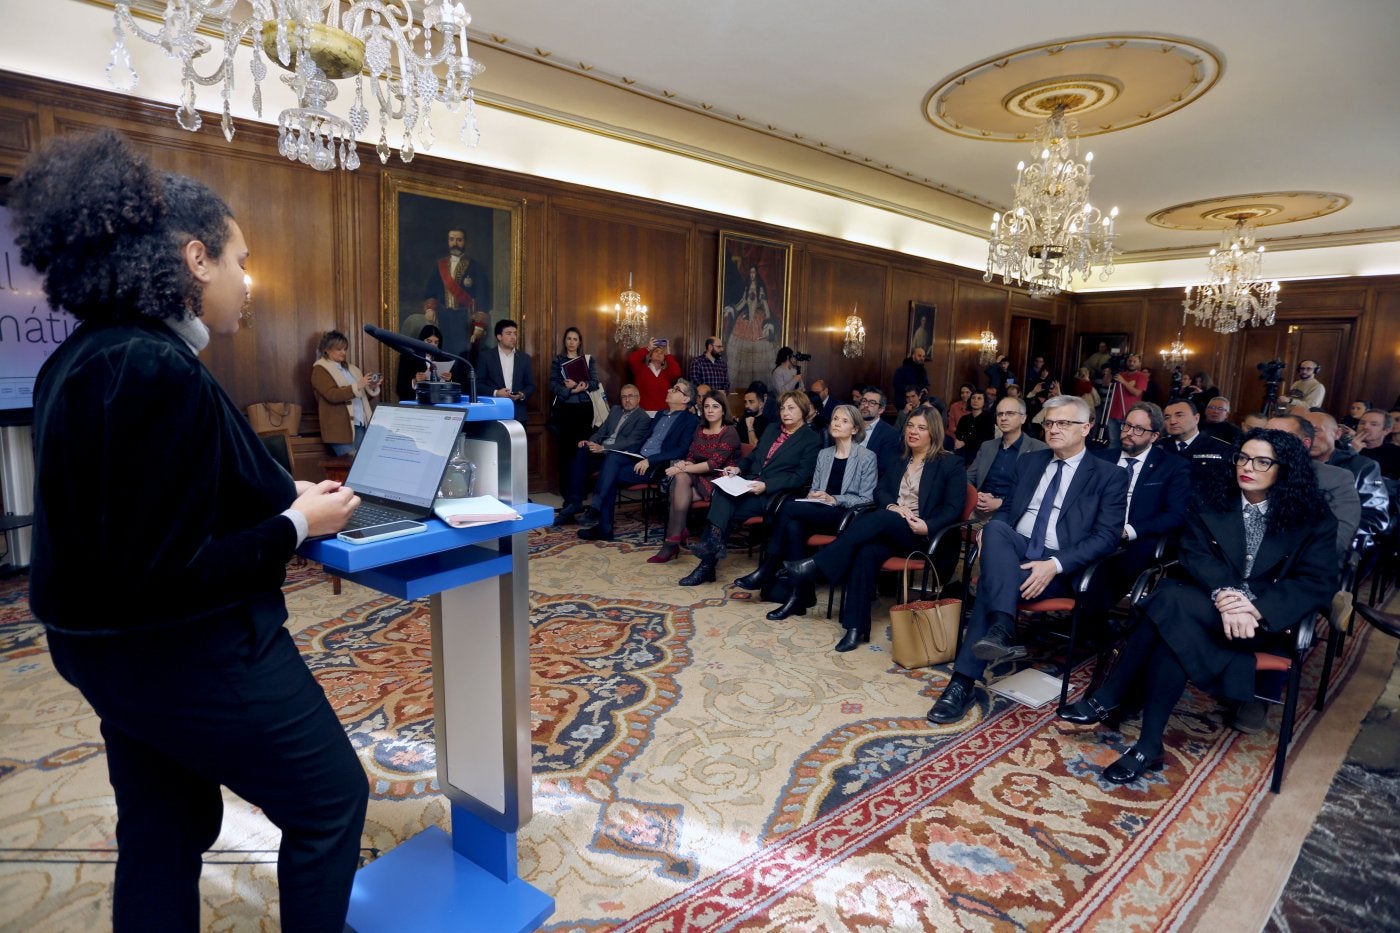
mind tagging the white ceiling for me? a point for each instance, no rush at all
(1307, 100)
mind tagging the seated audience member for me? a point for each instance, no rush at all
(915, 503)
(1159, 488)
(913, 401)
(1354, 413)
(1338, 485)
(667, 441)
(781, 463)
(625, 429)
(1259, 554)
(714, 447)
(1394, 437)
(1066, 511)
(653, 372)
(993, 470)
(959, 407)
(844, 479)
(1372, 436)
(1365, 473)
(1085, 389)
(1217, 421)
(824, 404)
(975, 428)
(1186, 439)
(880, 438)
(990, 396)
(1253, 420)
(750, 426)
(1208, 390)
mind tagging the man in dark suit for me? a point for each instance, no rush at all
(825, 403)
(782, 462)
(881, 439)
(1159, 488)
(1186, 439)
(625, 429)
(668, 438)
(993, 470)
(1066, 511)
(506, 372)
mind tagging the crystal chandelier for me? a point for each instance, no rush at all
(318, 44)
(1052, 231)
(855, 335)
(631, 318)
(1235, 296)
(1177, 354)
(988, 352)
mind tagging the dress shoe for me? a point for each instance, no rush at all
(1132, 766)
(1249, 718)
(704, 573)
(804, 571)
(851, 640)
(795, 606)
(952, 705)
(595, 533)
(755, 580)
(1086, 712)
(668, 552)
(996, 645)
(565, 517)
(590, 518)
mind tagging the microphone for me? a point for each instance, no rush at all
(421, 349)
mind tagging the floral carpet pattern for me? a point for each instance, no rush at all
(696, 767)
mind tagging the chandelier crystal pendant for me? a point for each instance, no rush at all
(631, 318)
(1236, 295)
(410, 65)
(854, 346)
(1177, 354)
(987, 349)
(1052, 231)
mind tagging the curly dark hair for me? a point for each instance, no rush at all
(105, 229)
(1295, 500)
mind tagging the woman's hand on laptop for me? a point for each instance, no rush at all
(327, 506)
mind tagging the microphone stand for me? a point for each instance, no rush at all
(421, 350)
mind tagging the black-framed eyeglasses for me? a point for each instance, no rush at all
(1058, 425)
(1262, 464)
(870, 401)
(1137, 430)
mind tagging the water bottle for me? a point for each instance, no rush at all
(459, 482)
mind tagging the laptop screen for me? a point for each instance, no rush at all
(404, 453)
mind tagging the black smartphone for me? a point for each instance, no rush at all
(381, 532)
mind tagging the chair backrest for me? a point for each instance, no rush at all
(970, 503)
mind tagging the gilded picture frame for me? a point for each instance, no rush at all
(755, 278)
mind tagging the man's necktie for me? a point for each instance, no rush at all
(1128, 465)
(1036, 549)
(1181, 447)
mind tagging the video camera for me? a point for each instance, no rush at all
(801, 357)
(1271, 374)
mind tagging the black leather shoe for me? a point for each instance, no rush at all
(803, 571)
(590, 518)
(952, 705)
(852, 640)
(996, 645)
(1086, 712)
(1132, 766)
(795, 606)
(565, 517)
(704, 573)
(594, 533)
(755, 580)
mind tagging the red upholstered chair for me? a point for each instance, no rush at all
(1269, 669)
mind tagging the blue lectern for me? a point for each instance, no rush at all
(478, 582)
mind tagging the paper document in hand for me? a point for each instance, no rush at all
(734, 485)
(476, 510)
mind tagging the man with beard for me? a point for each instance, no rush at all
(710, 369)
(458, 291)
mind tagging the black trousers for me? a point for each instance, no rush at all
(573, 422)
(214, 703)
(856, 555)
(797, 521)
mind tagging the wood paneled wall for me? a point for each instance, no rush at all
(317, 263)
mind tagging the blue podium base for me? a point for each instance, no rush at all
(424, 886)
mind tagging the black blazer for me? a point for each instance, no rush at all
(884, 443)
(1090, 524)
(489, 377)
(942, 490)
(1205, 452)
(1160, 498)
(790, 468)
(633, 433)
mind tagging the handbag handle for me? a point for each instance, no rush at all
(938, 589)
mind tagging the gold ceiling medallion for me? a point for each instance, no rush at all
(1124, 81)
(1259, 210)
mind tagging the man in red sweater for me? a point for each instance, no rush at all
(653, 372)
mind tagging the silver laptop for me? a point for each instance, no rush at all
(400, 463)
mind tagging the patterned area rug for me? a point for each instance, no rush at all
(696, 767)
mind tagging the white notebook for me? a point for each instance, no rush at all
(1029, 687)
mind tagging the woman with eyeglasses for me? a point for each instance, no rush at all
(1259, 553)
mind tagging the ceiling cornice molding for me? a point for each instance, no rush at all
(1275, 244)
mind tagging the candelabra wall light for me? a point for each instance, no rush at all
(854, 346)
(413, 61)
(631, 318)
(1052, 231)
(1236, 295)
(987, 343)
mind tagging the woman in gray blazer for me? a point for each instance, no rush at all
(844, 478)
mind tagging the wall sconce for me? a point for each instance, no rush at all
(245, 315)
(987, 343)
(855, 335)
(631, 318)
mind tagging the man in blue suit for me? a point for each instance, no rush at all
(1066, 511)
(880, 438)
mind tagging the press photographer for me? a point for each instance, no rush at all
(787, 375)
